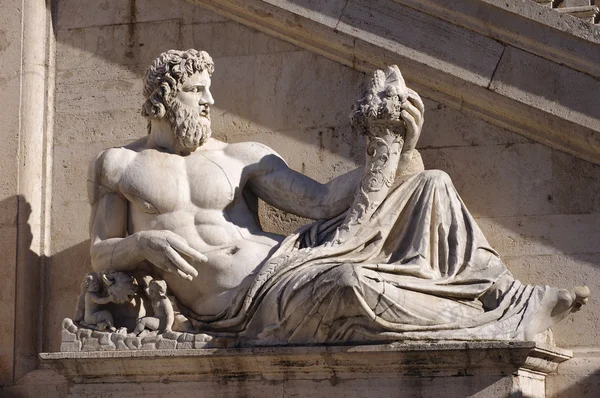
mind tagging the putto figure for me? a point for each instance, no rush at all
(163, 317)
(90, 311)
(393, 256)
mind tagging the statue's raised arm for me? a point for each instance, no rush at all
(390, 116)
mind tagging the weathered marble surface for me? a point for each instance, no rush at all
(393, 256)
(423, 369)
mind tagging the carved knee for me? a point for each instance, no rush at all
(437, 177)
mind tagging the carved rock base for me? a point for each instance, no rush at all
(75, 339)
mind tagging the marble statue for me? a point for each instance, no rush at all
(89, 312)
(163, 317)
(392, 256)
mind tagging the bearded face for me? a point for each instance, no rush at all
(191, 125)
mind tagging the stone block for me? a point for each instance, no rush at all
(202, 340)
(166, 344)
(75, 14)
(108, 347)
(130, 46)
(415, 35)
(276, 78)
(10, 43)
(90, 344)
(449, 127)
(576, 184)
(70, 346)
(8, 209)
(171, 335)
(148, 346)
(80, 49)
(133, 342)
(188, 12)
(509, 180)
(70, 262)
(112, 127)
(115, 337)
(9, 114)
(578, 377)
(543, 235)
(120, 345)
(8, 246)
(186, 337)
(67, 336)
(83, 333)
(231, 39)
(185, 345)
(151, 338)
(548, 86)
(105, 339)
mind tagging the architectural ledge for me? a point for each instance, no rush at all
(516, 64)
(396, 360)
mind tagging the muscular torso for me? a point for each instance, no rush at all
(199, 197)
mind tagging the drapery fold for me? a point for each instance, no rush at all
(417, 269)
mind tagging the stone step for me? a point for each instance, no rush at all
(547, 3)
(572, 3)
(587, 13)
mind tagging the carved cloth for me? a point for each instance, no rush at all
(419, 268)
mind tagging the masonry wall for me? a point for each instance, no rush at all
(10, 68)
(538, 207)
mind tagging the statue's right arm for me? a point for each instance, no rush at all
(96, 298)
(111, 245)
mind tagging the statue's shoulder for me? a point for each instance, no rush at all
(252, 152)
(107, 167)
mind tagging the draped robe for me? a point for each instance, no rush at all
(418, 268)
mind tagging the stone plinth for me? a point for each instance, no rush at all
(422, 369)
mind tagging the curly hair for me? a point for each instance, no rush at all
(88, 279)
(167, 74)
(161, 286)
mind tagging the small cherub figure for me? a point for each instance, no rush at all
(94, 317)
(163, 309)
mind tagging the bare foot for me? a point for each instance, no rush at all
(555, 306)
(582, 296)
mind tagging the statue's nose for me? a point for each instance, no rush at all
(207, 98)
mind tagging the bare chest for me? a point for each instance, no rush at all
(157, 182)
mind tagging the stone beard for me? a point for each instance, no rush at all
(191, 126)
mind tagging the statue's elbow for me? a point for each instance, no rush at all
(96, 258)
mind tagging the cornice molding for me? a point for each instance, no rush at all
(425, 359)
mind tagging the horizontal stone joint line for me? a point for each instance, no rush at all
(180, 20)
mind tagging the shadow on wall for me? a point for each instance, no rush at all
(26, 302)
(574, 385)
(65, 270)
(31, 275)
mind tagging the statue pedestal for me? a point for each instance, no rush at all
(423, 369)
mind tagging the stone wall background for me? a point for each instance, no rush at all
(539, 207)
(10, 68)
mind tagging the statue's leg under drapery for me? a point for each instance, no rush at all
(419, 268)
